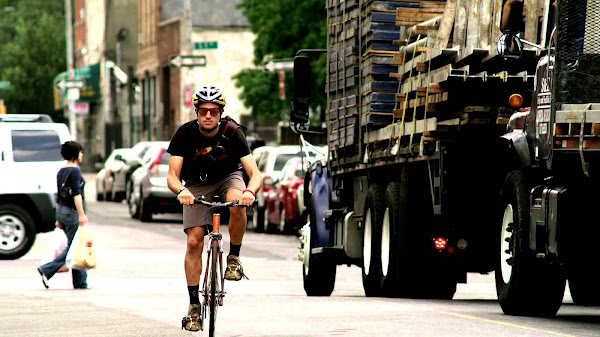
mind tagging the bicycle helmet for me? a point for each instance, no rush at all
(209, 94)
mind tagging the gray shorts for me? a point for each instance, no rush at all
(194, 217)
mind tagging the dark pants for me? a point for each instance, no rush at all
(68, 218)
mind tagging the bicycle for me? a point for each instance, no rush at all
(213, 290)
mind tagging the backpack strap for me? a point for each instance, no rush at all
(230, 129)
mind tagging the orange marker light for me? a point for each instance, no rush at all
(515, 101)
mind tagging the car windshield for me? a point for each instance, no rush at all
(281, 159)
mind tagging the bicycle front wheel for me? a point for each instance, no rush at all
(214, 287)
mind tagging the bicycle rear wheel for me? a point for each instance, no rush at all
(214, 287)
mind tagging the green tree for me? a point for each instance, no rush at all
(282, 27)
(33, 52)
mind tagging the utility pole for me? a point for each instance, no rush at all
(69, 33)
(186, 49)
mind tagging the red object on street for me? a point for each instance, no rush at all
(188, 96)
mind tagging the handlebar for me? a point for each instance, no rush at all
(234, 203)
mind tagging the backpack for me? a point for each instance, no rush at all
(231, 127)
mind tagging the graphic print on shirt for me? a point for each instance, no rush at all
(213, 153)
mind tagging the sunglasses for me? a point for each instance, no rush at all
(213, 111)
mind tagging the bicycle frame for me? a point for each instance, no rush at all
(215, 246)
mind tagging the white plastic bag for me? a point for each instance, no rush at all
(81, 253)
(58, 243)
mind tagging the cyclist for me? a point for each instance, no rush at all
(209, 161)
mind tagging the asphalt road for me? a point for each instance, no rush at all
(139, 290)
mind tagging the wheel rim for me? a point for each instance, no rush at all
(266, 221)
(367, 243)
(306, 247)
(254, 218)
(506, 255)
(282, 221)
(385, 242)
(12, 232)
(132, 202)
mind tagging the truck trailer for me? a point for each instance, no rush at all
(463, 136)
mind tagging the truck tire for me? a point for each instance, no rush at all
(18, 231)
(525, 285)
(393, 252)
(371, 264)
(318, 272)
(412, 271)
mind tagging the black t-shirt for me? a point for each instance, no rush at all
(207, 159)
(74, 180)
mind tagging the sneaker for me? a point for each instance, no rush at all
(234, 271)
(193, 320)
(44, 278)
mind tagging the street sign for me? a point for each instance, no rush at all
(188, 61)
(68, 84)
(206, 45)
(80, 107)
(4, 84)
(286, 65)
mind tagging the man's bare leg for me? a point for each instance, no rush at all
(193, 255)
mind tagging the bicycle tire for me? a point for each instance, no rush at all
(214, 288)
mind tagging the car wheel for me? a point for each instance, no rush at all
(133, 205)
(107, 195)
(17, 232)
(99, 194)
(282, 224)
(258, 219)
(116, 196)
(145, 210)
(266, 222)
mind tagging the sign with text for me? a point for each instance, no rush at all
(188, 61)
(206, 45)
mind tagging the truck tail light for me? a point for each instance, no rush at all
(440, 243)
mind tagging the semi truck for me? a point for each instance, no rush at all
(463, 137)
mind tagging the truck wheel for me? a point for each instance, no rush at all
(17, 232)
(525, 286)
(371, 264)
(318, 273)
(391, 237)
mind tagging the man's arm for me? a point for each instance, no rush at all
(506, 13)
(255, 182)
(174, 181)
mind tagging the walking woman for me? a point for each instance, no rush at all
(70, 211)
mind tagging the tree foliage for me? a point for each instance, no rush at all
(33, 52)
(282, 27)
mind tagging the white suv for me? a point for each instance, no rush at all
(29, 161)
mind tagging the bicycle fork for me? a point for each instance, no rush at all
(207, 284)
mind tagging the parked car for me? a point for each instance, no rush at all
(270, 160)
(282, 202)
(28, 165)
(149, 194)
(254, 142)
(107, 188)
(132, 161)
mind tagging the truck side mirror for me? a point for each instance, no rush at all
(301, 74)
(509, 46)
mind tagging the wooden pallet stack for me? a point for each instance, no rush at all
(361, 58)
